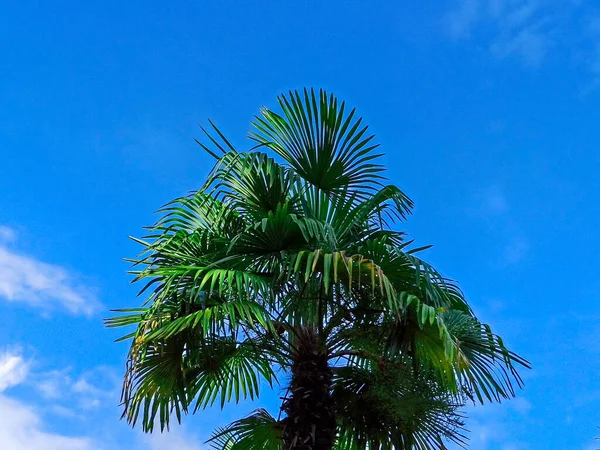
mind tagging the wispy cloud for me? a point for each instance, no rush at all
(90, 390)
(492, 206)
(97, 387)
(529, 44)
(515, 249)
(489, 425)
(53, 385)
(519, 29)
(461, 20)
(45, 286)
(177, 439)
(493, 201)
(592, 59)
(529, 31)
(7, 234)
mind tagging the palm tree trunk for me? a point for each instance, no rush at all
(310, 423)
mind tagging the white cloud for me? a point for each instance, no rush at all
(13, 370)
(82, 386)
(21, 427)
(46, 286)
(63, 411)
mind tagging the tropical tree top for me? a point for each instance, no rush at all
(286, 262)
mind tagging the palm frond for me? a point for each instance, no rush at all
(391, 408)
(484, 365)
(322, 144)
(259, 431)
(170, 375)
(251, 182)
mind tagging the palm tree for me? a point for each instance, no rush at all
(284, 270)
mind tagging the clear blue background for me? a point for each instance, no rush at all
(487, 110)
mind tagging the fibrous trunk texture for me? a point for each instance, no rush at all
(310, 423)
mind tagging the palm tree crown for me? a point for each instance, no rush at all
(285, 265)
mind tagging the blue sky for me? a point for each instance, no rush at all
(487, 111)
